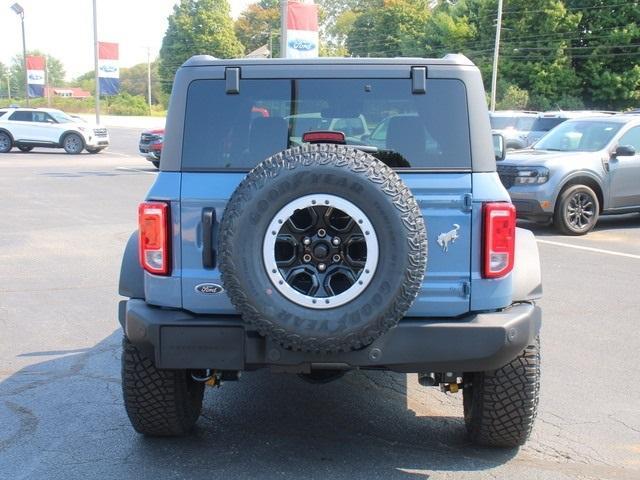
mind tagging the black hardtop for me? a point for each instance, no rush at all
(209, 61)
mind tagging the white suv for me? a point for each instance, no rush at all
(27, 128)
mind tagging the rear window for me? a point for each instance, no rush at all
(543, 124)
(21, 116)
(381, 116)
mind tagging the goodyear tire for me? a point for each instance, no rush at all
(158, 402)
(500, 406)
(323, 248)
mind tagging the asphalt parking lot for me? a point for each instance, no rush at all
(63, 225)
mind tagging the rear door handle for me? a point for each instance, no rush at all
(208, 238)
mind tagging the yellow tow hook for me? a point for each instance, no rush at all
(213, 380)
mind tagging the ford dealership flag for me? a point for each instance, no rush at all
(302, 30)
(35, 75)
(108, 69)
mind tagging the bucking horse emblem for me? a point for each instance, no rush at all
(444, 239)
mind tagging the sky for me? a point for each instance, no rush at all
(64, 29)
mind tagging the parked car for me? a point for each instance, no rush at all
(548, 120)
(580, 170)
(256, 250)
(513, 125)
(150, 146)
(152, 141)
(26, 128)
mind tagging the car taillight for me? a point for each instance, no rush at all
(153, 229)
(499, 239)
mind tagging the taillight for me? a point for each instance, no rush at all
(499, 239)
(324, 137)
(153, 229)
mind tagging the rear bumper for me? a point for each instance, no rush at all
(478, 342)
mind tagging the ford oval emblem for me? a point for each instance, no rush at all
(301, 44)
(209, 288)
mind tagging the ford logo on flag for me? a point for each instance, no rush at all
(35, 76)
(108, 68)
(301, 44)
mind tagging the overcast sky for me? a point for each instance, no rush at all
(64, 29)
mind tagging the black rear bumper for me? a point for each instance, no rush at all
(478, 342)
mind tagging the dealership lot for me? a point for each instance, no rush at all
(65, 220)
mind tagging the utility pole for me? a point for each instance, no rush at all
(149, 77)
(47, 86)
(95, 62)
(283, 27)
(9, 86)
(496, 53)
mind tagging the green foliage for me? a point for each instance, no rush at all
(197, 27)
(259, 25)
(126, 104)
(134, 81)
(395, 28)
(514, 98)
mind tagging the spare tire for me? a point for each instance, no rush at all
(323, 248)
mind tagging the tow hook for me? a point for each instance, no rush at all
(215, 378)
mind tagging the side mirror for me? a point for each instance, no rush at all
(624, 151)
(499, 147)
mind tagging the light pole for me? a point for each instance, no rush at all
(284, 11)
(20, 11)
(496, 53)
(149, 77)
(9, 86)
(95, 61)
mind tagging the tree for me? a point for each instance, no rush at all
(393, 29)
(259, 25)
(134, 81)
(606, 52)
(197, 27)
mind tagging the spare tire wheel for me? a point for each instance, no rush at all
(323, 248)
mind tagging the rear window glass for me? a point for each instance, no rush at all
(21, 116)
(381, 116)
(545, 124)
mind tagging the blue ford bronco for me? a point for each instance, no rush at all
(358, 222)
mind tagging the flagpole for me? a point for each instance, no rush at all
(284, 10)
(96, 53)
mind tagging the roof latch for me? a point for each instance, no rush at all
(232, 77)
(419, 79)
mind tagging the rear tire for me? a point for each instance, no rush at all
(158, 402)
(156, 163)
(73, 143)
(577, 210)
(500, 406)
(24, 148)
(6, 142)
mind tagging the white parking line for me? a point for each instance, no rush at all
(590, 249)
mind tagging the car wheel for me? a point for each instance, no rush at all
(24, 148)
(325, 219)
(158, 402)
(94, 150)
(500, 406)
(73, 143)
(577, 210)
(156, 163)
(6, 143)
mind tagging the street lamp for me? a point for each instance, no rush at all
(20, 11)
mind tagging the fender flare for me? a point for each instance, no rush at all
(131, 273)
(527, 275)
(580, 174)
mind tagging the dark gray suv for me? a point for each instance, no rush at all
(581, 169)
